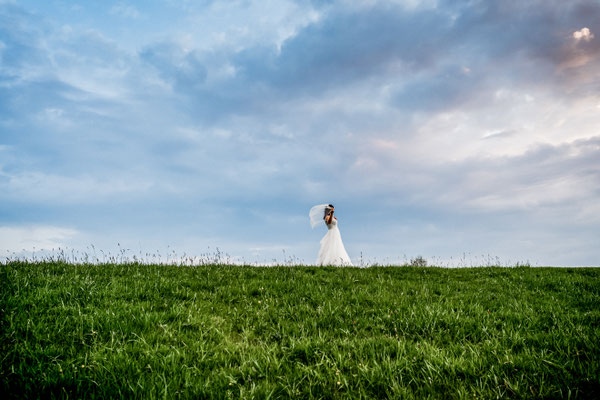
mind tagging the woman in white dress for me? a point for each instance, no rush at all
(332, 250)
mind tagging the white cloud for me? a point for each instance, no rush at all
(583, 34)
(38, 237)
(41, 187)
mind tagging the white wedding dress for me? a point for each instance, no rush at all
(332, 250)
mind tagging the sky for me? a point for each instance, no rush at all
(459, 131)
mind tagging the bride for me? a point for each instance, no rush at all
(332, 250)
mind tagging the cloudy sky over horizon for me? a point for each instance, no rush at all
(437, 128)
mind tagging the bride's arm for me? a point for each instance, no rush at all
(328, 218)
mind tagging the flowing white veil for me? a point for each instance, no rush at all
(316, 214)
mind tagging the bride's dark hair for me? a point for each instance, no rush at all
(327, 210)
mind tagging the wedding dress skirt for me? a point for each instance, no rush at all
(332, 250)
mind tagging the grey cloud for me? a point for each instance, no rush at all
(421, 52)
(541, 31)
(341, 50)
(345, 47)
(505, 44)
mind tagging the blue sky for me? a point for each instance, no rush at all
(445, 129)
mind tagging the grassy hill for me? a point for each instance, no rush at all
(218, 331)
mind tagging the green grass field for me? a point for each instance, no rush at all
(218, 331)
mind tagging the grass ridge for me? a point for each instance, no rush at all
(221, 331)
